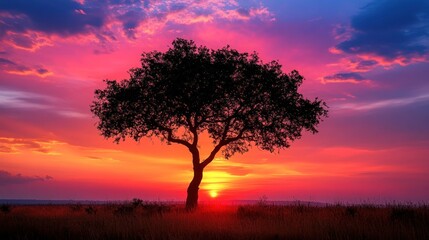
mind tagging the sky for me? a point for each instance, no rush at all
(367, 59)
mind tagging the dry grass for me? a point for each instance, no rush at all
(139, 220)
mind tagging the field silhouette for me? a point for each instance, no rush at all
(144, 220)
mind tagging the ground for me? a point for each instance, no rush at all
(144, 220)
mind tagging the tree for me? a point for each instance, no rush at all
(236, 98)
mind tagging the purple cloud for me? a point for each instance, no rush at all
(12, 67)
(6, 178)
(29, 24)
(366, 65)
(393, 30)
(346, 77)
(63, 17)
(15, 100)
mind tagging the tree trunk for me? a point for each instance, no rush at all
(192, 198)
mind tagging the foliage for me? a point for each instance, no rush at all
(187, 90)
(235, 97)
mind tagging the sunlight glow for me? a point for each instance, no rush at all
(213, 193)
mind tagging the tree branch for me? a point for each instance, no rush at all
(210, 158)
(225, 130)
(170, 138)
(193, 149)
(193, 129)
(239, 135)
(195, 141)
(222, 143)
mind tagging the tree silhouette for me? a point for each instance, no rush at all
(236, 98)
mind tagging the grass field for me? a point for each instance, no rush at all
(141, 220)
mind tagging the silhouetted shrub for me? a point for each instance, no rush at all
(351, 211)
(125, 209)
(90, 210)
(301, 208)
(76, 207)
(249, 212)
(136, 202)
(4, 208)
(402, 213)
(263, 201)
(155, 208)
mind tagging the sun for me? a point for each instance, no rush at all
(213, 193)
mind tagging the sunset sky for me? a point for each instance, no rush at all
(369, 60)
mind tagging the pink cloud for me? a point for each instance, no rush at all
(12, 67)
(346, 77)
(29, 41)
(104, 24)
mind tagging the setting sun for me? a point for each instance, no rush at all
(213, 194)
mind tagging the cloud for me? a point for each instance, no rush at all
(7, 178)
(29, 40)
(346, 77)
(395, 102)
(148, 19)
(233, 170)
(389, 32)
(31, 24)
(14, 99)
(17, 145)
(130, 20)
(62, 17)
(20, 99)
(11, 67)
(365, 65)
(247, 13)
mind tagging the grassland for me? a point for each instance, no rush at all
(140, 220)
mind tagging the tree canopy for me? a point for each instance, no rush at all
(178, 94)
(233, 96)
